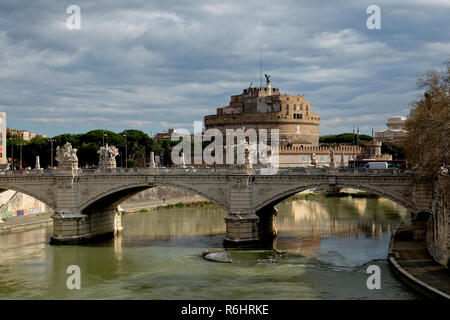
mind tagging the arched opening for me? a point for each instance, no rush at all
(309, 220)
(283, 195)
(117, 196)
(103, 218)
(20, 202)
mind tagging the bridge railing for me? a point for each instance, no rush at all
(213, 170)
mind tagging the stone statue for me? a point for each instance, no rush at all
(332, 162)
(267, 77)
(66, 154)
(67, 159)
(107, 159)
(313, 159)
(38, 164)
(183, 160)
(152, 160)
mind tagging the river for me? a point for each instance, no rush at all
(328, 244)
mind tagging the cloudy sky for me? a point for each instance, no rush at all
(154, 65)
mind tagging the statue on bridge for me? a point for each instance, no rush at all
(108, 156)
(66, 153)
(332, 162)
(67, 158)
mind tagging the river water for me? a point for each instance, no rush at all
(328, 244)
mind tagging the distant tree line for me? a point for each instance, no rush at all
(344, 138)
(135, 144)
(132, 144)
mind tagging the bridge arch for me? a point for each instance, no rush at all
(116, 195)
(283, 194)
(45, 197)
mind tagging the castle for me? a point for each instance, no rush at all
(267, 108)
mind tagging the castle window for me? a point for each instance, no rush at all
(322, 159)
(287, 107)
(295, 107)
(301, 116)
(298, 129)
(304, 158)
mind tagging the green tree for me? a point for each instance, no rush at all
(13, 146)
(138, 142)
(139, 145)
(344, 138)
(37, 147)
(397, 151)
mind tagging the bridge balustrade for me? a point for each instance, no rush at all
(216, 171)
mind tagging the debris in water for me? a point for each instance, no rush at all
(217, 256)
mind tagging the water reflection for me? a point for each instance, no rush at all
(159, 257)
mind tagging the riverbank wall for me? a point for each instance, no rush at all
(437, 239)
(160, 193)
(13, 204)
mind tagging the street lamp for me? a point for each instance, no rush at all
(20, 161)
(103, 137)
(126, 150)
(12, 153)
(51, 151)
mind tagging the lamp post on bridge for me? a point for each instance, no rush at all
(103, 138)
(51, 152)
(12, 153)
(20, 158)
(126, 150)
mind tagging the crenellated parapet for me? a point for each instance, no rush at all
(322, 150)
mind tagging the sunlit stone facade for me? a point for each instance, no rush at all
(267, 108)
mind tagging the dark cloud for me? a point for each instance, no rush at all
(158, 64)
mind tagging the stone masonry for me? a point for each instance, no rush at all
(86, 202)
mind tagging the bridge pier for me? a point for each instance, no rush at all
(251, 230)
(76, 228)
(267, 223)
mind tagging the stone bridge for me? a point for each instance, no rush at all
(86, 201)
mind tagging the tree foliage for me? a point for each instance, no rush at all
(133, 144)
(344, 138)
(427, 142)
(397, 151)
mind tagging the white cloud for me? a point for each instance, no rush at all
(164, 64)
